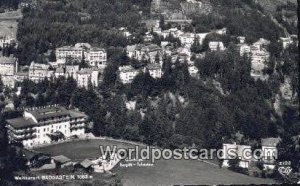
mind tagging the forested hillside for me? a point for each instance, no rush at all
(9, 4)
(203, 110)
(56, 23)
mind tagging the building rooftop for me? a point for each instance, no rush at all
(59, 70)
(49, 112)
(41, 114)
(76, 114)
(151, 47)
(86, 163)
(82, 45)
(85, 71)
(153, 66)
(21, 74)
(21, 122)
(127, 68)
(69, 48)
(38, 66)
(188, 35)
(270, 142)
(96, 49)
(131, 48)
(71, 67)
(262, 41)
(61, 159)
(7, 60)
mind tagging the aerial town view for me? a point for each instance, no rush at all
(149, 92)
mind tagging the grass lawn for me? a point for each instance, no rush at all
(8, 23)
(164, 172)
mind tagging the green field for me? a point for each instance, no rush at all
(164, 172)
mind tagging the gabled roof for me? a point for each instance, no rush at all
(86, 163)
(61, 159)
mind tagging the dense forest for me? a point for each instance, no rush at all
(9, 4)
(176, 110)
(241, 18)
(177, 106)
(57, 23)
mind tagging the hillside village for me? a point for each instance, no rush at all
(68, 58)
(199, 76)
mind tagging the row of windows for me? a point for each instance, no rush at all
(52, 127)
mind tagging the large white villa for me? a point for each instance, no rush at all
(44, 125)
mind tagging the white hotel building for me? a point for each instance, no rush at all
(96, 57)
(8, 68)
(45, 125)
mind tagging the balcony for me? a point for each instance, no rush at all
(23, 137)
(75, 127)
(24, 131)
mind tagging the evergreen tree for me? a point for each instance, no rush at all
(196, 47)
(1, 85)
(52, 56)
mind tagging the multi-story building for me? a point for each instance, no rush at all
(287, 41)
(234, 151)
(21, 76)
(66, 52)
(187, 39)
(8, 81)
(59, 72)
(148, 37)
(155, 70)
(71, 71)
(241, 39)
(8, 65)
(270, 152)
(6, 41)
(259, 57)
(87, 76)
(38, 72)
(8, 68)
(125, 32)
(193, 70)
(243, 49)
(151, 52)
(144, 52)
(216, 46)
(96, 57)
(45, 125)
(127, 74)
(222, 31)
(201, 37)
(261, 43)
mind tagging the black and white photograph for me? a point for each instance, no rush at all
(149, 92)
